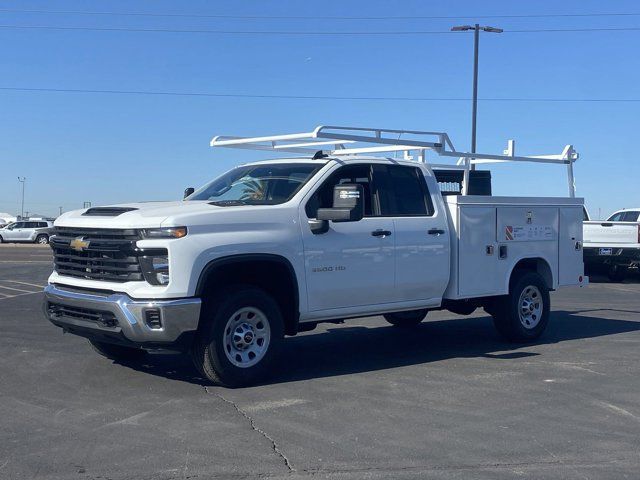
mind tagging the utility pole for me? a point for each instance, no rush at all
(476, 45)
(22, 180)
(60, 208)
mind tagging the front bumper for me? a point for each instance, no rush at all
(117, 318)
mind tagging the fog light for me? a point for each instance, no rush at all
(152, 318)
(155, 269)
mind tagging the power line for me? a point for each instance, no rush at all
(306, 33)
(318, 17)
(318, 97)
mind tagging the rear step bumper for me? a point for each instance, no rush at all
(118, 317)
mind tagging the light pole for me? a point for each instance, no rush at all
(476, 41)
(22, 180)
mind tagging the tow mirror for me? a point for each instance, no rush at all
(188, 191)
(348, 204)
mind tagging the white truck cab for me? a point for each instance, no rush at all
(272, 248)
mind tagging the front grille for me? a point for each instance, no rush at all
(100, 254)
(102, 318)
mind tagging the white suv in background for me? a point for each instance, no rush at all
(31, 231)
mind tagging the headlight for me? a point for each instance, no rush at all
(155, 267)
(168, 232)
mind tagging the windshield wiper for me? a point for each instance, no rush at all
(228, 203)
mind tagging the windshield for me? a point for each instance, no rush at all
(266, 184)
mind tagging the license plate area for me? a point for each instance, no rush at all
(605, 251)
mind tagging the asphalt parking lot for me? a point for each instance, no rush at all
(361, 400)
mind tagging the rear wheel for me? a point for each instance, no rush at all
(617, 273)
(117, 352)
(242, 328)
(1, 239)
(406, 319)
(523, 315)
(42, 239)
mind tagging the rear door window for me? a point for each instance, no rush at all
(630, 217)
(404, 191)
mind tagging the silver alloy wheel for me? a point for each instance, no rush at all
(42, 240)
(530, 306)
(246, 337)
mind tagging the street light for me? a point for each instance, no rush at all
(22, 180)
(476, 40)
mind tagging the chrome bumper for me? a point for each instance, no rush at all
(117, 314)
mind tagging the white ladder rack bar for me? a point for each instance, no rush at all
(348, 141)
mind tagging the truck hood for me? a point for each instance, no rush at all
(133, 215)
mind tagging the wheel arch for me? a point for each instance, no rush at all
(273, 273)
(533, 264)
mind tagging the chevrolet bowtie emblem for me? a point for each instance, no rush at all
(79, 244)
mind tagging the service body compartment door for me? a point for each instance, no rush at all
(527, 232)
(571, 265)
(478, 258)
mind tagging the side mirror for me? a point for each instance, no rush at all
(188, 191)
(348, 204)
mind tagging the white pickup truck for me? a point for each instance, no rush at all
(273, 248)
(613, 245)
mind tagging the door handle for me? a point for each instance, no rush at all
(381, 233)
(436, 231)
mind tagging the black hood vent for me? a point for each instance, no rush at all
(107, 211)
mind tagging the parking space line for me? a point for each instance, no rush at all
(16, 289)
(26, 261)
(18, 295)
(24, 283)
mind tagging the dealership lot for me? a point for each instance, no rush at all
(360, 400)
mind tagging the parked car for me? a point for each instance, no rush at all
(273, 248)
(29, 231)
(613, 245)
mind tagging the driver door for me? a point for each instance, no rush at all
(14, 233)
(352, 263)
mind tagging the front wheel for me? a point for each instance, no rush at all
(408, 319)
(523, 314)
(242, 329)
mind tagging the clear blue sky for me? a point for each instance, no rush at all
(112, 148)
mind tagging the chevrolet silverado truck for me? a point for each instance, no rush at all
(613, 245)
(275, 247)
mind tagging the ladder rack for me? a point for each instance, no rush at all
(342, 141)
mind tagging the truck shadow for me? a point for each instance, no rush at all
(344, 350)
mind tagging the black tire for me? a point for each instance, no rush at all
(617, 273)
(506, 311)
(1, 239)
(117, 352)
(42, 239)
(216, 346)
(408, 319)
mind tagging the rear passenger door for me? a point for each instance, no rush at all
(421, 234)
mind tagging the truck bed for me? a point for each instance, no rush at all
(490, 235)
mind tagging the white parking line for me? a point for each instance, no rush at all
(17, 295)
(24, 261)
(24, 283)
(16, 289)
